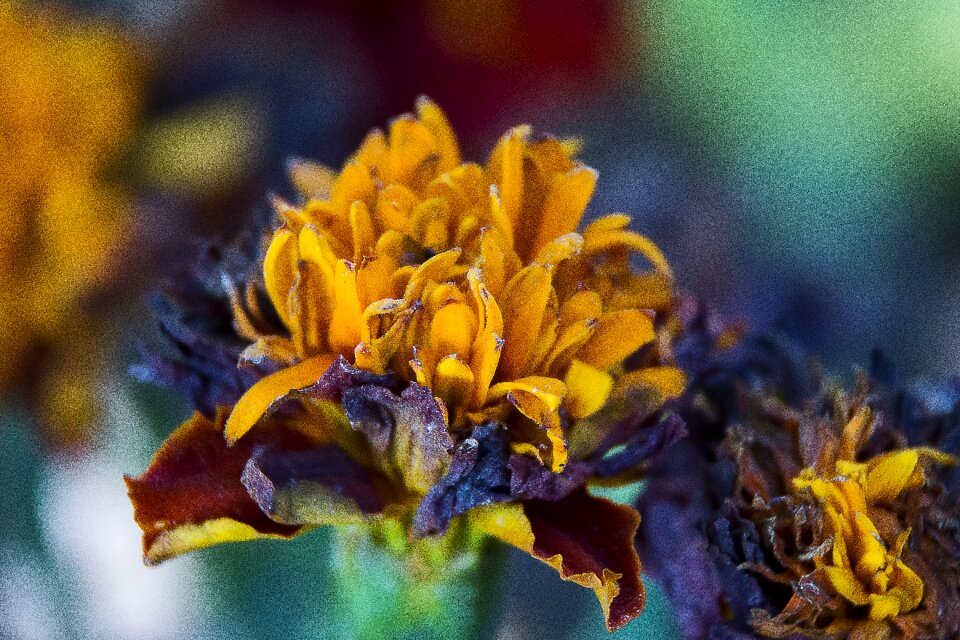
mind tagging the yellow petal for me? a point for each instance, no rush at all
(345, 319)
(889, 473)
(453, 330)
(587, 389)
(364, 235)
(506, 521)
(436, 122)
(525, 301)
(453, 382)
(279, 271)
(618, 335)
(559, 249)
(871, 552)
(883, 607)
(311, 179)
(259, 398)
(564, 205)
(908, 586)
(190, 537)
(847, 585)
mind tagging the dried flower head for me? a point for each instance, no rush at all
(804, 510)
(427, 338)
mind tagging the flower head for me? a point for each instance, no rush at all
(440, 333)
(807, 512)
(69, 99)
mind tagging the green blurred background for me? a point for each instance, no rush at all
(797, 162)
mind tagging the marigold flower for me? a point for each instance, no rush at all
(802, 510)
(429, 338)
(69, 97)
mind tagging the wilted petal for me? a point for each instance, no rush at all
(314, 487)
(478, 476)
(587, 540)
(191, 495)
(409, 431)
(530, 479)
(645, 445)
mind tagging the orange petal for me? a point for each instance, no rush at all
(279, 271)
(506, 168)
(587, 389)
(430, 224)
(525, 301)
(559, 249)
(453, 330)
(312, 179)
(435, 269)
(618, 335)
(564, 205)
(434, 119)
(364, 235)
(412, 146)
(261, 397)
(345, 319)
(485, 353)
(669, 381)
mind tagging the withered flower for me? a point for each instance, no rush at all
(430, 343)
(803, 510)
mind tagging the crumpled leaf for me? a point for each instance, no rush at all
(191, 495)
(315, 487)
(478, 476)
(409, 431)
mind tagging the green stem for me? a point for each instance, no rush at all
(390, 587)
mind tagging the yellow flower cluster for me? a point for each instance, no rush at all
(68, 98)
(865, 565)
(470, 280)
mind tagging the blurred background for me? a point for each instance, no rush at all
(799, 164)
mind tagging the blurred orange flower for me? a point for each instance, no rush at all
(68, 99)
